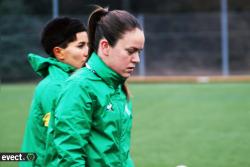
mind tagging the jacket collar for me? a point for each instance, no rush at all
(96, 65)
(41, 64)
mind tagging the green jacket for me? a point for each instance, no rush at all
(93, 119)
(46, 92)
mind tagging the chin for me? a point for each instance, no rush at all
(126, 75)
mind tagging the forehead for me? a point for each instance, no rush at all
(133, 38)
(82, 36)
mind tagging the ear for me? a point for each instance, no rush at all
(58, 53)
(104, 47)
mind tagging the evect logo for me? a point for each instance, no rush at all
(18, 156)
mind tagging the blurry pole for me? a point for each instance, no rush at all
(224, 38)
(55, 10)
(126, 5)
(142, 71)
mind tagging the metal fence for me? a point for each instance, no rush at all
(190, 44)
(176, 44)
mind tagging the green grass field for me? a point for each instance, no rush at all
(198, 125)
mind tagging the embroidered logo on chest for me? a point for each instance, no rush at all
(109, 107)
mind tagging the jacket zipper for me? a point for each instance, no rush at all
(119, 129)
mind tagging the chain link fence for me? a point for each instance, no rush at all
(176, 44)
(190, 44)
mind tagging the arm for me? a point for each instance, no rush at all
(72, 125)
(35, 132)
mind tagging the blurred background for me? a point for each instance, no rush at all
(175, 122)
(183, 37)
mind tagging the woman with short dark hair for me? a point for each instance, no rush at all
(65, 40)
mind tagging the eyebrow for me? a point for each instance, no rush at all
(134, 48)
(82, 42)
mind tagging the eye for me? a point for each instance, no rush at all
(81, 45)
(131, 51)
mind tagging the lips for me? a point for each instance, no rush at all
(85, 56)
(130, 69)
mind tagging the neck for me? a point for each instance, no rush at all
(103, 57)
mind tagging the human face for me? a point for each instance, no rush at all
(76, 52)
(124, 55)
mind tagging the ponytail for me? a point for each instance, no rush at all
(110, 25)
(93, 20)
(126, 91)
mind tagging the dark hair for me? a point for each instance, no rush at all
(110, 25)
(59, 32)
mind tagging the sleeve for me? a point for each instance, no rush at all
(72, 125)
(35, 131)
(33, 140)
(48, 100)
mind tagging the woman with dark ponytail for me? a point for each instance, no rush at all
(93, 117)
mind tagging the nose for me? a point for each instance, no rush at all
(136, 58)
(86, 51)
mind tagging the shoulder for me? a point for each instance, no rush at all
(83, 77)
(82, 83)
(47, 86)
